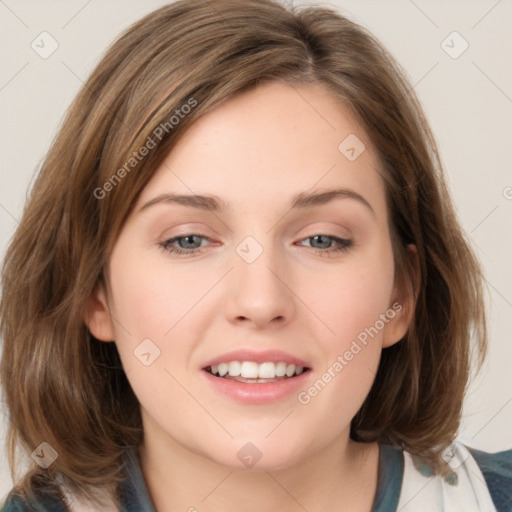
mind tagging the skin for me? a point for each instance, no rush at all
(255, 152)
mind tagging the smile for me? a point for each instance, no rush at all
(253, 372)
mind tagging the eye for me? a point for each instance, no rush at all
(322, 244)
(188, 244)
(191, 244)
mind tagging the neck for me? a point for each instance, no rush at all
(342, 476)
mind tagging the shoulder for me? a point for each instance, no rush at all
(497, 471)
(66, 501)
(53, 495)
(16, 502)
(477, 481)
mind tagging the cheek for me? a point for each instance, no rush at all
(148, 302)
(168, 308)
(350, 301)
(350, 298)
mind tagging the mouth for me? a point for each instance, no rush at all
(252, 377)
(251, 372)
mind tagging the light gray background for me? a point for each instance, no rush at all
(468, 101)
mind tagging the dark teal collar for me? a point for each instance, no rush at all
(391, 468)
(134, 496)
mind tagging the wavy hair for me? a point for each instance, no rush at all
(63, 386)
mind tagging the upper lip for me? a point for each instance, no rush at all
(265, 356)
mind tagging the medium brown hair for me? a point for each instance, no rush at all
(65, 387)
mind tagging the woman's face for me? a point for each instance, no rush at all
(238, 250)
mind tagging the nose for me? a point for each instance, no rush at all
(259, 293)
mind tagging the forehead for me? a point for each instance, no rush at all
(268, 144)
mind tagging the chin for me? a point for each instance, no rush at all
(255, 456)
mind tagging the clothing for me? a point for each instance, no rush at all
(480, 482)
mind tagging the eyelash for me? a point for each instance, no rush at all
(343, 245)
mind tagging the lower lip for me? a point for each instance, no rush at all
(257, 393)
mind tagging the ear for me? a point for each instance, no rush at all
(403, 303)
(96, 315)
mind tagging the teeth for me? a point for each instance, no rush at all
(290, 370)
(234, 368)
(249, 370)
(280, 369)
(252, 370)
(223, 369)
(267, 371)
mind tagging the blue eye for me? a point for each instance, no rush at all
(191, 244)
(326, 244)
(189, 247)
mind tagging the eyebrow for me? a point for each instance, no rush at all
(213, 203)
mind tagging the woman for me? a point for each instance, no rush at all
(239, 274)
